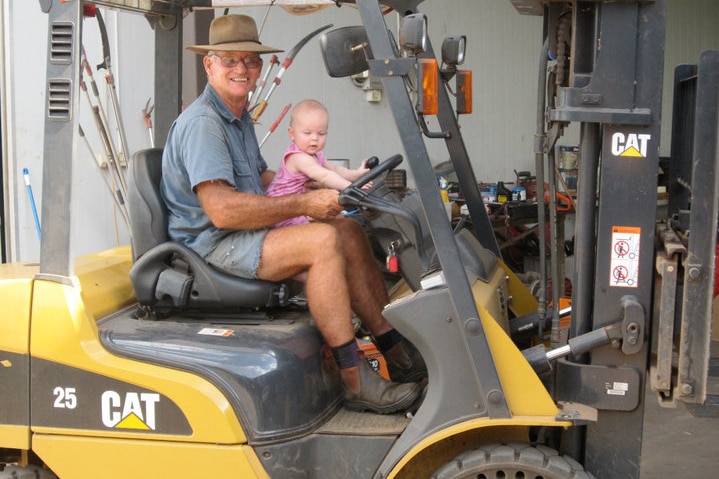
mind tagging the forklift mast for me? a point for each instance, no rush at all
(631, 263)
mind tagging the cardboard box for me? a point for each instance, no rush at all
(370, 352)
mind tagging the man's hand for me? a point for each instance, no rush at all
(322, 204)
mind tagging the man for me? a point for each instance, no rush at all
(213, 183)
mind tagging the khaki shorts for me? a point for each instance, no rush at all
(239, 253)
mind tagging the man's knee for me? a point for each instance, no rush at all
(349, 230)
(327, 238)
(354, 238)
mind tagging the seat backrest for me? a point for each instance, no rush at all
(170, 277)
(148, 214)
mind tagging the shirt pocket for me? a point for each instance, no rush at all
(246, 177)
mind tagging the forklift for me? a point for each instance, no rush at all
(143, 361)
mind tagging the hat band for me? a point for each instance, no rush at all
(235, 41)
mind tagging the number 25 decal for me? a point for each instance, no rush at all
(65, 398)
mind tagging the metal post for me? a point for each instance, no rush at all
(168, 77)
(60, 147)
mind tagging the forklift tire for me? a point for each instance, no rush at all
(513, 460)
(25, 472)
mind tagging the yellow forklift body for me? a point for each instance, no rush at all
(526, 395)
(103, 279)
(122, 458)
(16, 299)
(525, 392)
(65, 338)
(521, 302)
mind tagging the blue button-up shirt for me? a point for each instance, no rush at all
(207, 142)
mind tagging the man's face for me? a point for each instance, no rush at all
(233, 74)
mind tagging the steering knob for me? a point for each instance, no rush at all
(372, 162)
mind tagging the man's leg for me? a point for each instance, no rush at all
(317, 248)
(367, 291)
(368, 296)
(312, 248)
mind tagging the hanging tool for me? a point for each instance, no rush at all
(116, 186)
(110, 80)
(259, 108)
(102, 126)
(26, 175)
(147, 116)
(276, 123)
(258, 89)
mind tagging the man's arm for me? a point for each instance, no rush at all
(232, 209)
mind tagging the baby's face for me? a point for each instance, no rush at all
(309, 131)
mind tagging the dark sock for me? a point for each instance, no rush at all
(346, 355)
(386, 341)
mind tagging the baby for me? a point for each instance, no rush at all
(304, 159)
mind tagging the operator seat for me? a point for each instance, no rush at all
(169, 277)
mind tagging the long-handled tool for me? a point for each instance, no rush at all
(260, 106)
(258, 89)
(103, 127)
(147, 116)
(276, 123)
(26, 176)
(106, 64)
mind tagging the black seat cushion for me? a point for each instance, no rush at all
(170, 277)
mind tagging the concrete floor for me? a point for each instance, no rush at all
(677, 444)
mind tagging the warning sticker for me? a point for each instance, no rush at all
(216, 332)
(617, 388)
(624, 265)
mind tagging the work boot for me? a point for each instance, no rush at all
(378, 395)
(404, 363)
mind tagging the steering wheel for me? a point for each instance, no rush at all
(353, 194)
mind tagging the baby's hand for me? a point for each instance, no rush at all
(363, 167)
(372, 162)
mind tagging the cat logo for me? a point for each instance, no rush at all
(632, 145)
(134, 411)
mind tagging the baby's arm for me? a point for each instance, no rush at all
(348, 174)
(307, 165)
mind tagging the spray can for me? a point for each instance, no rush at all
(503, 193)
(444, 189)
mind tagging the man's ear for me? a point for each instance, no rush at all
(207, 63)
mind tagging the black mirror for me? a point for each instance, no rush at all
(345, 51)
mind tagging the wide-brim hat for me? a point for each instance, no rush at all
(233, 33)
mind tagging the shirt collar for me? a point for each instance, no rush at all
(220, 106)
